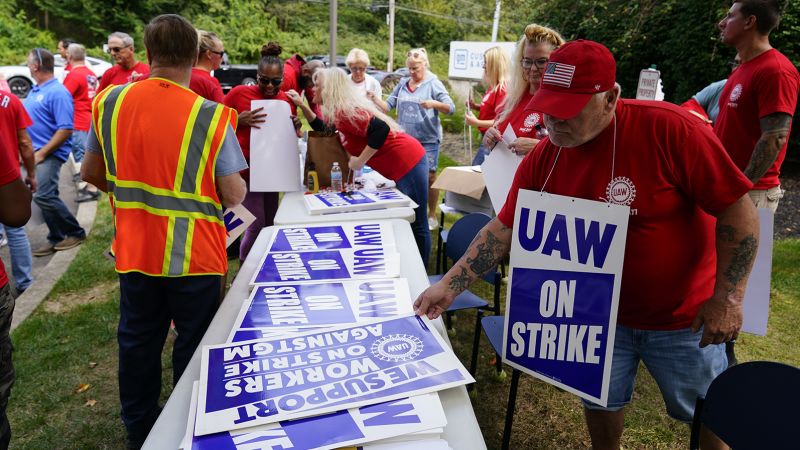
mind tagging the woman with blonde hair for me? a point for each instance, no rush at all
(370, 136)
(530, 59)
(419, 98)
(210, 55)
(495, 72)
(358, 61)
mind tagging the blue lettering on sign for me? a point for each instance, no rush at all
(230, 224)
(388, 195)
(368, 234)
(390, 413)
(377, 299)
(369, 261)
(562, 230)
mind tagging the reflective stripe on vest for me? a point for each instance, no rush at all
(183, 204)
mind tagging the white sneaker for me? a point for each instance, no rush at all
(432, 223)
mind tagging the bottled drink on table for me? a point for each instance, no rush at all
(336, 177)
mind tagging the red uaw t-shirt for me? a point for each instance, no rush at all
(117, 75)
(491, 103)
(765, 85)
(206, 86)
(672, 172)
(398, 155)
(239, 98)
(13, 118)
(522, 119)
(81, 82)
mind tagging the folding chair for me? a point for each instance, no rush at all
(493, 327)
(751, 405)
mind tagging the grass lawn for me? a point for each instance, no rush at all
(66, 391)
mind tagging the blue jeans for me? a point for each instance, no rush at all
(432, 153)
(483, 152)
(680, 367)
(60, 222)
(79, 144)
(415, 185)
(21, 259)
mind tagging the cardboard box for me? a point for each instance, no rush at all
(464, 189)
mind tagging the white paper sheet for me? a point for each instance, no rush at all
(499, 168)
(273, 150)
(756, 296)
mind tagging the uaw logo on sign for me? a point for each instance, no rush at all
(397, 347)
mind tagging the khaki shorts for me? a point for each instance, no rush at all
(767, 198)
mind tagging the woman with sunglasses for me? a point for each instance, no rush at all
(419, 99)
(263, 205)
(209, 57)
(370, 136)
(495, 72)
(530, 59)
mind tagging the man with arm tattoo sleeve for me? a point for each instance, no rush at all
(691, 241)
(758, 101)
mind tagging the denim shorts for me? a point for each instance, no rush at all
(674, 358)
(432, 152)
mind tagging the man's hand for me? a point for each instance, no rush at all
(721, 321)
(434, 301)
(522, 146)
(252, 118)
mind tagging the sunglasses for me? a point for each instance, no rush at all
(416, 53)
(273, 81)
(528, 63)
(220, 54)
(116, 49)
(358, 69)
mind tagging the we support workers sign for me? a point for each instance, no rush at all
(258, 382)
(565, 274)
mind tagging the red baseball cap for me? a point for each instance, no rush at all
(576, 71)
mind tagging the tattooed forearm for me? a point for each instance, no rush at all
(774, 132)
(489, 254)
(741, 260)
(460, 282)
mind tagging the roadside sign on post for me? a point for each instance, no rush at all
(466, 58)
(648, 84)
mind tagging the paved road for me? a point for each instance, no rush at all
(37, 229)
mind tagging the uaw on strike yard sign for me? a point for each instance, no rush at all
(253, 383)
(334, 430)
(566, 268)
(337, 202)
(353, 251)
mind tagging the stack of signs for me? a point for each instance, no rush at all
(330, 252)
(322, 357)
(338, 202)
(564, 278)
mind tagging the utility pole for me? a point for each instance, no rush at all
(496, 23)
(332, 28)
(390, 62)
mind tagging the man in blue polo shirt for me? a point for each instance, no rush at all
(49, 105)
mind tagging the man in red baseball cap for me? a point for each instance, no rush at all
(692, 234)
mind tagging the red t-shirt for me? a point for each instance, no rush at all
(398, 155)
(522, 119)
(490, 105)
(117, 75)
(206, 86)
(765, 85)
(13, 118)
(239, 98)
(81, 82)
(673, 173)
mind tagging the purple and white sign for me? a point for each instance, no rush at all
(334, 430)
(292, 305)
(337, 202)
(361, 263)
(564, 278)
(237, 219)
(258, 382)
(332, 237)
(238, 335)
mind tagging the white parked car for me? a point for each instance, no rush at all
(20, 81)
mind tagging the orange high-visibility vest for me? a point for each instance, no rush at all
(160, 143)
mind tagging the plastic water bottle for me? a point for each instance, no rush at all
(336, 177)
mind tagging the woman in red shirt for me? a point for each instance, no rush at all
(495, 71)
(530, 59)
(263, 205)
(209, 58)
(370, 136)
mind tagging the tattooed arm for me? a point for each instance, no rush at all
(774, 132)
(737, 243)
(488, 248)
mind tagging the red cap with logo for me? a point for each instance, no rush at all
(576, 71)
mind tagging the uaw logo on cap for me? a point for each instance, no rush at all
(397, 347)
(620, 191)
(558, 74)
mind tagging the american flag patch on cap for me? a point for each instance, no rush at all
(558, 74)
